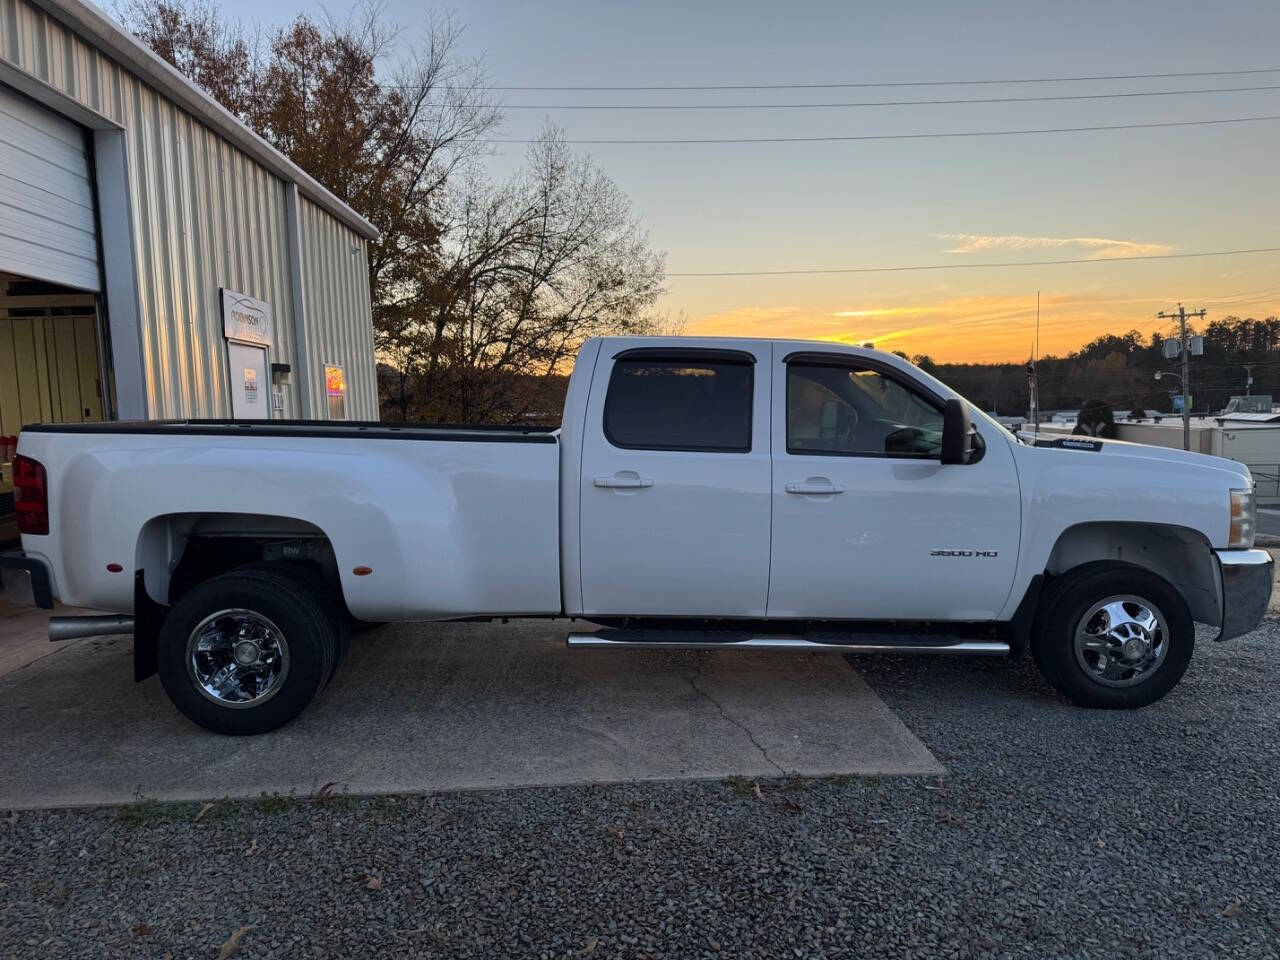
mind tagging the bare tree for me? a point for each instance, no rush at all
(193, 37)
(533, 267)
(382, 134)
(482, 291)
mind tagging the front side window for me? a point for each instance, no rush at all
(679, 405)
(843, 411)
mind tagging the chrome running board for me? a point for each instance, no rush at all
(830, 642)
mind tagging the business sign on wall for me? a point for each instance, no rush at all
(246, 319)
(335, 389)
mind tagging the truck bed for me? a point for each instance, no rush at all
(463, 524)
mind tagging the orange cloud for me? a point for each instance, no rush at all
(1101, 247)
(973, 329)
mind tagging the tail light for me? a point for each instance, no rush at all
(30, 495)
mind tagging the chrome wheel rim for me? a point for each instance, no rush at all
(237, 658)
(1122, 640)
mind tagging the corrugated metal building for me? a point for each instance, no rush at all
(158, 259)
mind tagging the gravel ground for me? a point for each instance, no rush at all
(1058, 833)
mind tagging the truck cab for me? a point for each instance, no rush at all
(788, 481)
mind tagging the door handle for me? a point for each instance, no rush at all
(810, 488)
(622, 483)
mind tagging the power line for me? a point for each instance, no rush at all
(894, 136)
(873, 103)
(973, 266)
(885, 84)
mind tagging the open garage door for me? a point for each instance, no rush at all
(47, 229)
(50, 358)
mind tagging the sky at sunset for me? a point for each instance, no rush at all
(1099, 196)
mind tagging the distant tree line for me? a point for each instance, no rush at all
(1119, 370)
(482, 289)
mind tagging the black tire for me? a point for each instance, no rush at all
(335, 609)
(1067, 602)
(308, 634)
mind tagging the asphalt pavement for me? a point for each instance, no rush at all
(1269, 521)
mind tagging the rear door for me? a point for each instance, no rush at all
(675, 481)
(868, 524)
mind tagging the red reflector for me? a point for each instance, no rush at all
(30, 496)
(114, 568)
(362, 571)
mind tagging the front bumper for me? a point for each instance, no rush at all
(26, 580)
(1247, 579)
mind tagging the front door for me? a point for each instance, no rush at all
(675, 481)
(249, 384)
(868, 524)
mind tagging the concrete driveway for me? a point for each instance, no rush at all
(427, 707)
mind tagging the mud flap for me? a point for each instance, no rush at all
(147, 618)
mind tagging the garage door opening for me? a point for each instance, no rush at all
(50, 367)
(51, 353)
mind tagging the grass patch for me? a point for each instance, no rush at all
(145, 812)
(741, 786)
(844, 779)
(273, 804)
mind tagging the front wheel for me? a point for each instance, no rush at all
(245, 652)
(1113, 635)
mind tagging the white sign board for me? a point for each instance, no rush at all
(246, 319)
(248, 363)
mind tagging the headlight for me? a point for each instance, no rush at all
(1244, 518)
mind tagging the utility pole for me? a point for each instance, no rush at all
(1033, 386)
(1184, 347)
(1248, 377)
(1032, 397)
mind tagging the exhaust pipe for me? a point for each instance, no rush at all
(619, 640)
(73, 628)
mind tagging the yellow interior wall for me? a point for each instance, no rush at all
(49, 371)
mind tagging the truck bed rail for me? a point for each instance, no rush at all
(350, 429)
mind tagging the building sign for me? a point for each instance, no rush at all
(246, 319)
(335, 389)
(250, 385)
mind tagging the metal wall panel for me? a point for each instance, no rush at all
(205, 216)
(335, 277)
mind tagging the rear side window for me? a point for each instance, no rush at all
(679, 405)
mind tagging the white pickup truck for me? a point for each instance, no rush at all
(705, 493)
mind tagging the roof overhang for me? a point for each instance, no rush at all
(100, 30)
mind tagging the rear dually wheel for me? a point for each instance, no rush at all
(246, 652)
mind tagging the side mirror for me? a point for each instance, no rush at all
(957, 432)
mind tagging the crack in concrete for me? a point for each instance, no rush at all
(693, 682)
